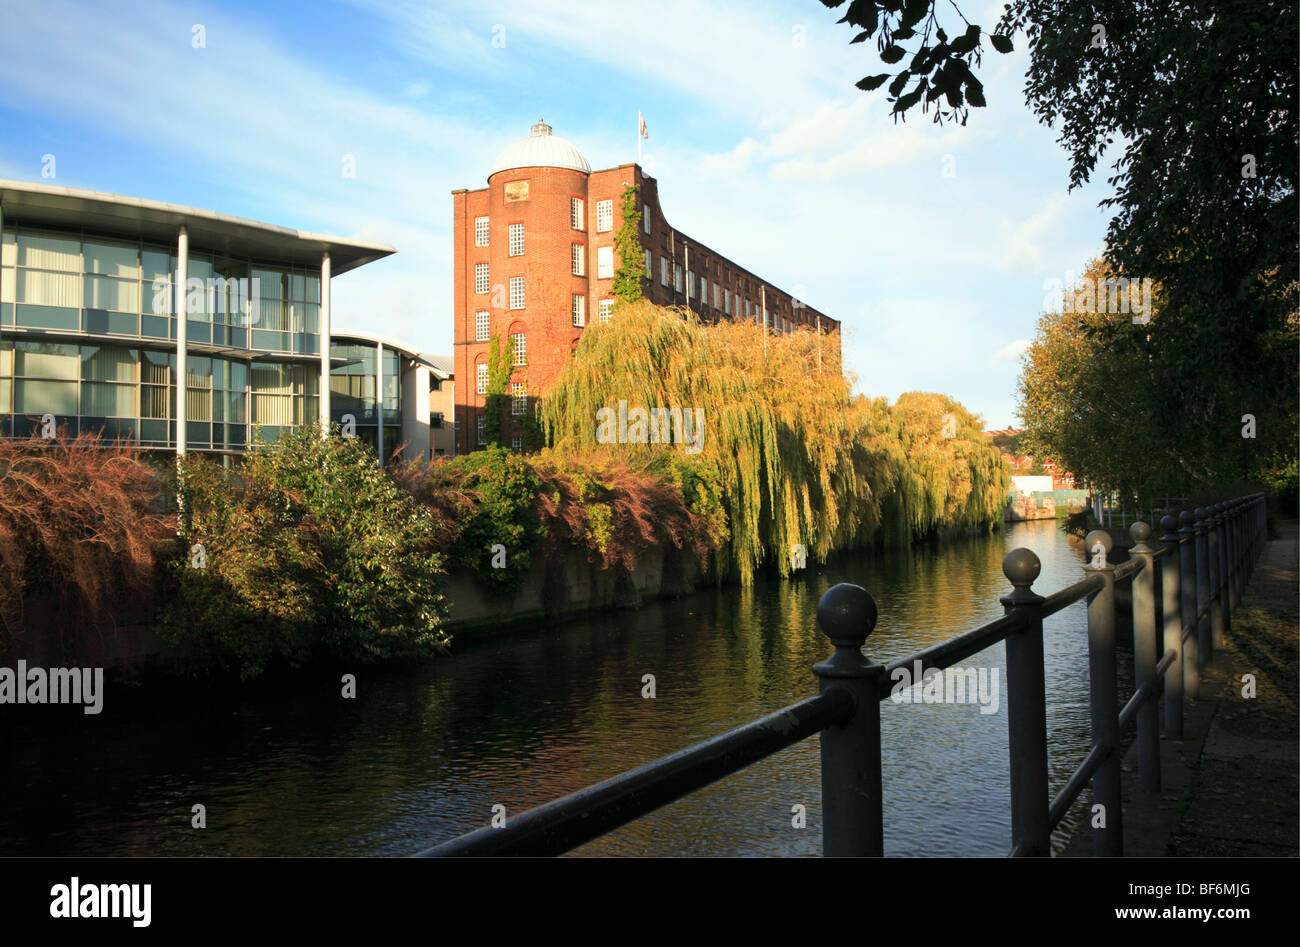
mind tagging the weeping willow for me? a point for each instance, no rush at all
(798, 463)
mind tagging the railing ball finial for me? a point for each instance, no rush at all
(1185, 519)
(1098, 538)
(1169, 523)
(1140, 531)
(1199, 514)
(847, 615)
(1021, 567)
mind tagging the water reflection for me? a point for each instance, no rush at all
(424, 753)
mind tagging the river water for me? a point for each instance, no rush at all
(424, 753)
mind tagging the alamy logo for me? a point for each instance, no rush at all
(77, 900)
(55, 686)
(652, 426)
(1110, 295)
(217, 295)
(950, 686)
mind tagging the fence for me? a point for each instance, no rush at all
(1112, 510)
(1205, 557)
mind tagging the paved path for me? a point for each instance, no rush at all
(1230, 787)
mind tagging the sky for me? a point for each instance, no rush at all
(931, 244)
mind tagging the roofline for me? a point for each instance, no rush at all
(337, 335)
(160, 213)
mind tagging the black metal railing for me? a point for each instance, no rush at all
(1206, 558)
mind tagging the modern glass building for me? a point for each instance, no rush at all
(92, 287)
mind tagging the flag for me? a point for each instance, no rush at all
(641, 120)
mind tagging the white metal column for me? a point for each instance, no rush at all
(325, 344)
(182, 277)
(379, 401)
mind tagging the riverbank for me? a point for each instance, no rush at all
(1230, 786)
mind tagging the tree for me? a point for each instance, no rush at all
(631, 262)
(1204, 95)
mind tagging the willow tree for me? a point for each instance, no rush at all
(796, 460)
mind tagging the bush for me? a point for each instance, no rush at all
(309, 551)
(76, 524)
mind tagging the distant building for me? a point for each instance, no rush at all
(535, 262)
(1006, 440)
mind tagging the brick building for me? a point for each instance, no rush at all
(535, 261)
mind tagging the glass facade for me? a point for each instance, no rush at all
(352, 392)
(101, 353)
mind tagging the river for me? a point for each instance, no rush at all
(424, 753)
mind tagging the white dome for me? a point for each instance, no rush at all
(541, 149)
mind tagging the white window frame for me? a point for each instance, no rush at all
(726, 301)
(481, 375)
(606, 310)
(517, 443)
(649, 265)
(482, 279)
(516, 239)
(517, 297)
(604, 263)
(521, 348)
(482, 325)
(604, 216)
(677, 277)
(577, 218)
(481, 231)
(578, 309)
(663, 270)
(645, 217)
(715, 296)
(482, 432)
(518, 398)
(578, 259)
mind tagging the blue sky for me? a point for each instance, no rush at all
(763, 148)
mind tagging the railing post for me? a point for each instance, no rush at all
(1187, 583)
(1026, 708)
(1228, 556)
(852, 813)
(1215, 555)
(1103, 697)
(1173, 630)
(1205, 647)
(1145, 657)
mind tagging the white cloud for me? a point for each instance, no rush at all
(1012, 351)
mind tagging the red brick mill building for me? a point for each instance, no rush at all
(535, 261)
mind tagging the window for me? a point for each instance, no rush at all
(649, 265)
(575, 213)
(516, 239)
(482, 325)
(517, 442)
(521, 348)
(726, 301)
(605, 263)
(518, 400)
(746, 308)
(715, 297)
(578, 257)
(704, 291)
(604, 216)
(482, 434)
(663, 270)
(437, 420)
(645, 217)
(690, 284)
(677, 277)
(606, 309)
(480, 277)
(516, 292)
(481, 370)
(480, 232)
(579, 309)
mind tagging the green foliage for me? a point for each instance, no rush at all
(311, 551)
(501, 361)
(937, 64)
(1107, 400)
(631, 266)
(785, 454)
(503, 488)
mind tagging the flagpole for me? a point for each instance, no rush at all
(639, 121)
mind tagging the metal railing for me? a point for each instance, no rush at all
(1206, 558)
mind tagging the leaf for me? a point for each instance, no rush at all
(872, 82)
(891, 54)
(896, 86)
(974, 94)
(907, 101)
(1001, 42)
